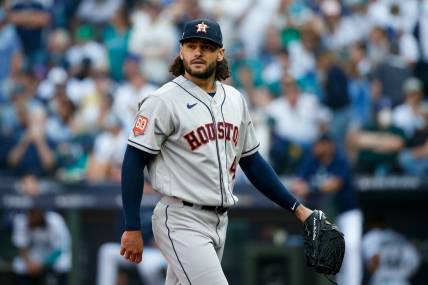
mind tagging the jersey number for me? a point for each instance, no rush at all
(233, 168)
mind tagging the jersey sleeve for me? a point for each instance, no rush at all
(251, 143)
(152, 125)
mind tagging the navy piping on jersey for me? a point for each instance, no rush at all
(172, 243)
(156, 150)
(252, 149)
(216, 141)
(227, 165)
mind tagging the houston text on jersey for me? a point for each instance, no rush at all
(206, 133)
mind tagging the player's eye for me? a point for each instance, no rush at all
(208, 47)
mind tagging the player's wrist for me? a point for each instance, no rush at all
(302, 213)
(132, 227)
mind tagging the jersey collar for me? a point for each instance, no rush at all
(199, 93)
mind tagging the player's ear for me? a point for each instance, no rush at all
(181, 52)
(220, 54)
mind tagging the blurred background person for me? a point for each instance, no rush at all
(409, 116)
(376, 145)
(153, 38)
(105, 160)
(325, 179)
(132, 90)
(389, 258)
(44, 245)
(31, 19)
(297, 120)
(10, 52)
(414, 158)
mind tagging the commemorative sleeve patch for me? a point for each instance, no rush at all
(140, 125)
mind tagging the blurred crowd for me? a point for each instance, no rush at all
(72, 74)
(334, 88)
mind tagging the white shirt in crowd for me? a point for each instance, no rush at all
(299, 124)
(155, 41)
(126, 99)
(110, 147)
(404, 117)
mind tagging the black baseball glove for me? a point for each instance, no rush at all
(324, 245)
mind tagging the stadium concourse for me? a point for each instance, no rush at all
(322, 78)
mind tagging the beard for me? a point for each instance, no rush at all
(203, 74)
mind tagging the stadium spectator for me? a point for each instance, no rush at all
(421, 34)
(58, 44)
(94, 107)
(153, 38)
(335, 96)
(10, 53)
(252, 25)
(326, 175)
(105, 161)
(116, 40)
(44, 245)
(182, 11)
(86, 52)
(339, 30)
(378, 46)
(303, 61)
(391, 74)
(97, 12)
(130, 92)
(376, 145)
(32, 151)
(409, 116)
(414, 159)
(31, 19)
(389, 258)
(359, 86)
(297, 120)
(54, 81)
(275, 69)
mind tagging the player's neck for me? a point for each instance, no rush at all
(208, 85)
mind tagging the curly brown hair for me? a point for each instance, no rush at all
(222, 71)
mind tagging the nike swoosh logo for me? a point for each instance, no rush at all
(190, 106)
(294, 206)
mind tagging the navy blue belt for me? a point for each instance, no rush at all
(217, 209)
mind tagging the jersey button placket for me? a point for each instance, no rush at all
(221, 144)
(217, 118)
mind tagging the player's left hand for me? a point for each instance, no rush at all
(131, 246)
(324, 245)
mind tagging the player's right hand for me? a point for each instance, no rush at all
(131, 246)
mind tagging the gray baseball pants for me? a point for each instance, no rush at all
(192, 241)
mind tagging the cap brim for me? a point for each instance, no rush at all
(201, 38)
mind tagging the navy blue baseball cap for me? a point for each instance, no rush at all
(205, 29)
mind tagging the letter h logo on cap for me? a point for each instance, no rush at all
(202, 27)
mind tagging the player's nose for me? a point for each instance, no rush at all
(198, 51)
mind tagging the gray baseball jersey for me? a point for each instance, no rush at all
(199, 140)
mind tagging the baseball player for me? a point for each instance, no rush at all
(191, 134)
